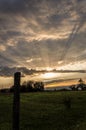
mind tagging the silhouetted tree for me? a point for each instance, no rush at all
(81, 81)
(23, 87)
(81, 85)
(39, 86)
(30, 86)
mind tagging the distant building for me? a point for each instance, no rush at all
(80, 86)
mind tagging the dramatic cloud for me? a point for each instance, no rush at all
(43, 33)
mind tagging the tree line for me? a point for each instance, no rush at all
(30, 86)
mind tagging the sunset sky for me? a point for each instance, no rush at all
(43, 34)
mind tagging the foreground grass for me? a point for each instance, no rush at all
(45, 111)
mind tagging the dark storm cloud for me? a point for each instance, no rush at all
(11, 6)
(7, 71)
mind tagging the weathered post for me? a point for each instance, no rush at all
(16, 101)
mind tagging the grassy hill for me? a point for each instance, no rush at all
(46, 111)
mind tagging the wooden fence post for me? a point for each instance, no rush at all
(16, 101)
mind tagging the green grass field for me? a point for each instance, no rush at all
(45, 111)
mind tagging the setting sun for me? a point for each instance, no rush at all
(49, 75)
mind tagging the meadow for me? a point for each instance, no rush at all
(46, 111)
